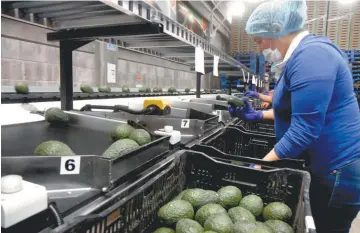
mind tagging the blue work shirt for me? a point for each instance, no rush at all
(316, 112)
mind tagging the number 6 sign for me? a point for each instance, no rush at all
(70, 165)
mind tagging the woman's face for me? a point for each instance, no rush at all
(265, 43)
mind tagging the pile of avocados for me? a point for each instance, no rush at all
(125, 138)
(225, 211)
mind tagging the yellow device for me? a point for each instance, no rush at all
(161, 106)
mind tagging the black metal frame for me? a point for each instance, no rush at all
(71, 39)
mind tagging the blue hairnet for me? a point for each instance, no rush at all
(277, 18)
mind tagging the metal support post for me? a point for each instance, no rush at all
(198, 84)
(66, 72)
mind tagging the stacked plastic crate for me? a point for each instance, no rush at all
(355, 55)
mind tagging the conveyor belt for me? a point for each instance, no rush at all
(82, 141)
(10, 98)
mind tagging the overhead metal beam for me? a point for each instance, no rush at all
(97, 21)
(208, 62)
(185, 55)
(87, 15)
(87, 33)
(83, 9)
(57, 7)
(164, 44)
(30, 4)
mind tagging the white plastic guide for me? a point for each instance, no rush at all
(20, 200)
(175, 135)
(309, 222)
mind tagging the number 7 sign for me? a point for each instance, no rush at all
(185, 123)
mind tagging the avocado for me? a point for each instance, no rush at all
(140, 136)
(148, 90)
(188, 226)
(235, 102)
(239, 213)
(187, 90)
(21, 88)
(221, 98)
(164, 230)
(230, 196)
(277, 211)
(246, 226)
(220, 223)
(279, 226)
(53, 148)
(207, 210)
(252, 203)
(120, 148)
(121, 131)
(56, 116)
(142, 89)
(176, 210)
(210, 232)
(155, 90)
(200, 197)
(125, 89)
(171, 90)
(104, 89)
(178, 197)
(86, 89)
(160, 90)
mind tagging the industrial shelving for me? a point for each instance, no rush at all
(131, 24)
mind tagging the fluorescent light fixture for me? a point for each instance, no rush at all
(236, 8)
(346, 1)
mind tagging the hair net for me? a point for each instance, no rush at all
(277, 18)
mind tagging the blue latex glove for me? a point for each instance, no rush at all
(252, 94)
(265, 93)
(246, 113)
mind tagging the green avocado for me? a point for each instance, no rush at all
(235, 102)
(104, 89)
(142, 89)
(56, 116)
(175, 210)
(220, 223)
(277, 211)
(121, 131)
(207, 210)
(21, 88)
(53, 148)
(125, 89)
(178, 197)
(171, 90)
(279, 226)
(199, 197)
(239, 214)
(140, 136)
(246, 226)
(187, 90)
(230, 196)
(252, 203)
(120, 148)
(86, 89)
(164, 230)
(188, 226)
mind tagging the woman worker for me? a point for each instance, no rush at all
(314, 108)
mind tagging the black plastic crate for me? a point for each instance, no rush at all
(135, 210)
(266, 128)
(235, 141)
(247, 161)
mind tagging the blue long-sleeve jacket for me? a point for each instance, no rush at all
(315, 108)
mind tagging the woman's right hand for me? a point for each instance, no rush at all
(246, 113)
